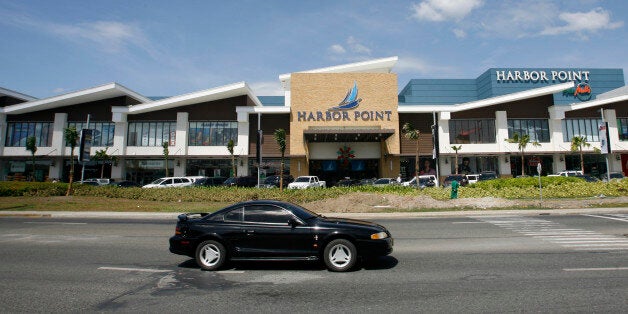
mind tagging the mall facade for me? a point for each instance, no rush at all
(342, 121)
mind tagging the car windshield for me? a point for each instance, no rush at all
(158, 181)
(302, 179)
(302, 212)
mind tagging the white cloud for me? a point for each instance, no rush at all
(460, 33)
(357, 47)
(337, 49)
(583, 22)
(267, 88)
(443, 10)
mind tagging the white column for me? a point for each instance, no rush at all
(610, 116)
(3, 135)
(119, 145)
(556, 115)
(58, 145)
(181, 145)
(501, 130)
(443, 143)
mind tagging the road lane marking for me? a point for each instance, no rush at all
(606, 217)
(145, 270)
(468, 222)
(596, 269)
(231, 272)
(55, 223)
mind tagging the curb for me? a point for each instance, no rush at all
(391, 215)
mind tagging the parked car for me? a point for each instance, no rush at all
(587, 178)
(487, 175)
(96, 181)
(306, 182)
(209, 181)
(473, 177)
(567, 173)
(367, 181)
(424, 181)
(381, 182)
(273, 181)
(243, 182)
(613, 175)
(461, 178)
(241, 232)
(125, 184)
(169, 182)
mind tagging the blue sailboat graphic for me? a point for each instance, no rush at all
(351, 100)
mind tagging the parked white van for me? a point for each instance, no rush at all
(169, 182)
(473, 177)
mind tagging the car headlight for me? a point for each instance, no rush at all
(380, 235)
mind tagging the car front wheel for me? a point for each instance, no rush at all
(340, 255)
(210, 255)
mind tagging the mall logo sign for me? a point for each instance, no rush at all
(582, 91)
(541, 76)
(341, 112)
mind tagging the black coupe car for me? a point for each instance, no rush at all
(272, 230)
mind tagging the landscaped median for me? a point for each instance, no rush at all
(494, 194)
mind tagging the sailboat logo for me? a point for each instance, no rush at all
(351, 101)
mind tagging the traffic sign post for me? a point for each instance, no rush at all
(538, 169)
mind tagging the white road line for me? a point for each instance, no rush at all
(606, 217)
(605, 249)
(145, 270)
(231, 272)
(55, 223)
(468, 222)
(596, 245)
(596, 269)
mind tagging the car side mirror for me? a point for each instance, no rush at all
(293, 222)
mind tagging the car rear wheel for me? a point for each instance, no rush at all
(340, 255)
(210, 255)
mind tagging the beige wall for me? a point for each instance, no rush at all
(315, 93)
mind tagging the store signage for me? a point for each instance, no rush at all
(341, 112)
(525, 76)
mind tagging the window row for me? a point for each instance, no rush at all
(587, 128)
(537, 129)
(212, 133)
(102, 134)
(18, 132)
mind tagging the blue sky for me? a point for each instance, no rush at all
(167, 48)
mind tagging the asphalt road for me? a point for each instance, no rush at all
(574, 263)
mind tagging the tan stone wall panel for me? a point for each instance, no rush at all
(317, 92)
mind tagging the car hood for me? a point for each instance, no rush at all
(350, 222)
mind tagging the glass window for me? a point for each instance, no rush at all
(472, 131)
(537, 129)
(587, 128)
(212, 133)
(266, 214)
(151, 133)
(622, 128)
(234, 215)
(101, 136)
(18, 132)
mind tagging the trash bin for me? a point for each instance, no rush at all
(454, 189)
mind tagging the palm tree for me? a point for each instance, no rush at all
(31, 146)
(71, 137)
(280, 137)
(166, 153)
(101, 155)
(230, 146)
(413, 134)
(577, 144)
(522, 141)
(456, 149)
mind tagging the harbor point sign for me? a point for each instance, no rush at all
(541, 76)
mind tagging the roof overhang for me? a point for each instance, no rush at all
(598, 102)
(218, 93)
(532, 93)
(383, 65)
(14, 94)
(347, 134)
(106, 91)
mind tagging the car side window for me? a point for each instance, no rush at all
(266, 214)
(166, 182)
(234, 215)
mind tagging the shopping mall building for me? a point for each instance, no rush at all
(341, 121)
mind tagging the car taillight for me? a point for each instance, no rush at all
(177, 230)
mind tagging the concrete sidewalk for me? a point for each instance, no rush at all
(391, 215)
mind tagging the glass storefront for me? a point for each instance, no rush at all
(333, 170)
(210, 167)
(530, 165)
(144, 171)
(22, 170)
(472, 131)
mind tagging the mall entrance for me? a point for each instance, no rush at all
(333, 171)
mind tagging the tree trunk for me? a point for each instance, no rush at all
(416, 164)
(581, 161)
(281, 174)
(456, 162)
(522, 164)
(102, 170)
